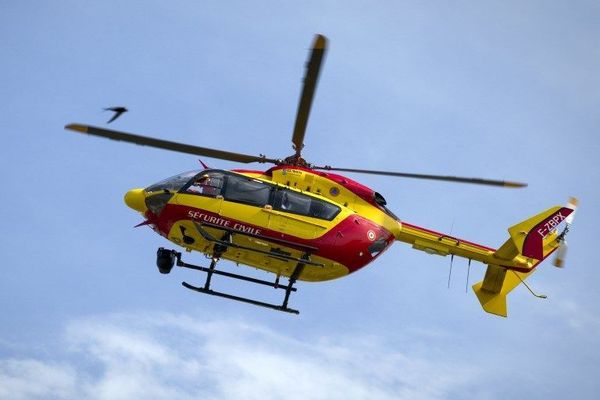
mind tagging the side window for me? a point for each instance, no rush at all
(324, 210)
(298, 203)
(248, 191)
(293, 202)
(208, 184)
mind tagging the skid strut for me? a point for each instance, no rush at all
(211, 270)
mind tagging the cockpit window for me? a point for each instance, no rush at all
(206, 184)
(173, 183)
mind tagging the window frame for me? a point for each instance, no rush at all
(226, 183)
(277, 207)
(185, 188)
(271, 198)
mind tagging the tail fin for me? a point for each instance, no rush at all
(530, 242)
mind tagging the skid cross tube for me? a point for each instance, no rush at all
(297, 271)
(211, 271)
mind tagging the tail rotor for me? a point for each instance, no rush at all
(561, 252)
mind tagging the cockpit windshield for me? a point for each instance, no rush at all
(173, 183)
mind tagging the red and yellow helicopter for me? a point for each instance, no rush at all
(305, 222)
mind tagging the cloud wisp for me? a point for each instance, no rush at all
(165, 356)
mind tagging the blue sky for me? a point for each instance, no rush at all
(488, 89)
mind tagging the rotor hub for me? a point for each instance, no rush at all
(297, 161)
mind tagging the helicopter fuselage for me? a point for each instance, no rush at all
(272, 217)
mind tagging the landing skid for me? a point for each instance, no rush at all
(211, 270)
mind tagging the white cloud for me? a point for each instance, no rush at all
(31, 379)
(164, 356)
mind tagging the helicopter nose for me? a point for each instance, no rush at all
(136, 199)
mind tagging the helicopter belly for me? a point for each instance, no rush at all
(255, 251)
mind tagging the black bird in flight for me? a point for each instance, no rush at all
(117, 110)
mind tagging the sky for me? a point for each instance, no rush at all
(495, 89)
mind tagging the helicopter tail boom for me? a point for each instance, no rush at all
(531, 241)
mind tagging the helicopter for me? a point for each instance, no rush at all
(304, 222)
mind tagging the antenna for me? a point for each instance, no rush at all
(468, 273)
(450, 273)
(539, 296)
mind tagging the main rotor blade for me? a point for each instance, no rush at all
(477, 181)
(168, 145)
(308, 91)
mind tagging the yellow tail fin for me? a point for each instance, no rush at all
(530, 242)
